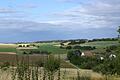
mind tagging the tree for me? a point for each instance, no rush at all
(28, 46)
(119, 30)
(20, 46)
(68, 47)
(119, 33)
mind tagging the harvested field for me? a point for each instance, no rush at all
(65, 74)
(7, 53)
(7, 45)
(13, 58)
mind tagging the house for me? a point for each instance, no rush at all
(87, 54)
(112, 56)
(83, 54)
(101, 58)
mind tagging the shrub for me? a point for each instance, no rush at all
(52, 64)
(20, 46)
(84, 47)
(68, 47)
(5, 66)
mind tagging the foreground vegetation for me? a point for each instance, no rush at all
(48, 69)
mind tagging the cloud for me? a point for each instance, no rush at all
(72, 1)
(91, 1)
(24, 26)
(7, 10)
(92, 14)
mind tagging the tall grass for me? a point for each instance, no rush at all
(24, 70)
(47, 69)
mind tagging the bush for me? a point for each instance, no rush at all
(52, 64)
(73, 42)
(110, 66)
(20, 46)
(68, 47)
(40, 63)
(24, 52)
(83, 62)
(62, 47)
(5, 66)
(73, 54)
(84, 47)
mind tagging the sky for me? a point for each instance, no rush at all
(37, 20)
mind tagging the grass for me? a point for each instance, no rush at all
(51, 48)
(100, 45)
(7, 49)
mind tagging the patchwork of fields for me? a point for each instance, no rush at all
(51, 47)
(8, 54)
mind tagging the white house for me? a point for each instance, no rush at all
(101, 58)
(112, 56)
(83, 54)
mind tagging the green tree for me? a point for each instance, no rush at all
(119, 30)
(119, 34)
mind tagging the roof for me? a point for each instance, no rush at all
(88, 53)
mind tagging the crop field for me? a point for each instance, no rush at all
(65, 74)
(55, 49)
(13, 58)
(7, 54)
(50, 47)
(100, 44)
(7, 48)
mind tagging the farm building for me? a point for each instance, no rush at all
(87, 54)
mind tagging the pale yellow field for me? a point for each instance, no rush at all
(7, 45)
(66, 74)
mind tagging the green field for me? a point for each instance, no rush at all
(7, 48)
(55, 49)
(100, 44)
(51, 47)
